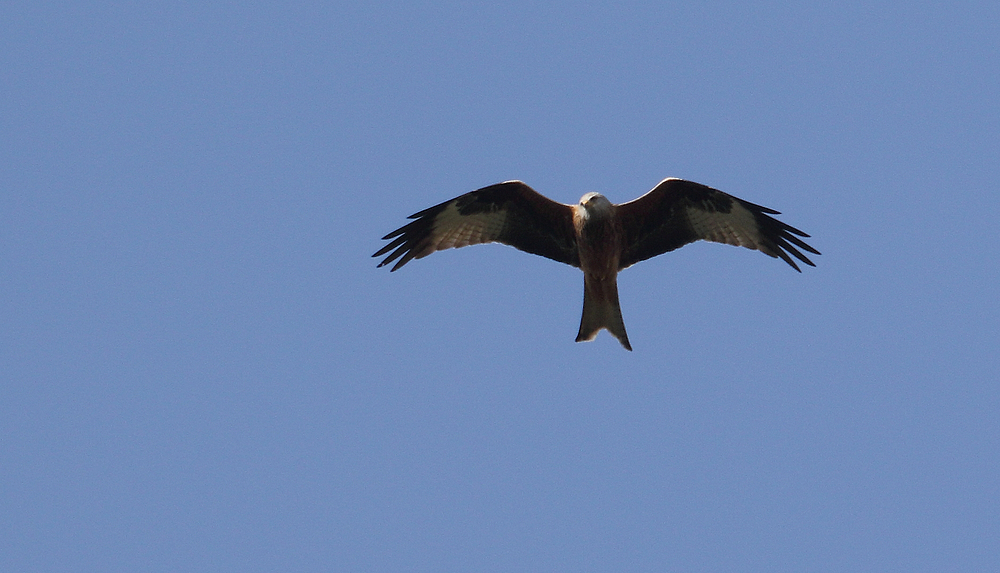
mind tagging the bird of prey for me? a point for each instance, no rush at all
(596, 236)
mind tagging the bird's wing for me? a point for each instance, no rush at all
(677, 212)
(510, 213)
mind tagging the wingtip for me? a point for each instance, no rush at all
(386, 262)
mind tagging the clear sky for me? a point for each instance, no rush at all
(201, 369)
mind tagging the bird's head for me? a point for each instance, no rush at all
(596, 204)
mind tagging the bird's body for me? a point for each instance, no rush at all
(595, 235)
(598, 243)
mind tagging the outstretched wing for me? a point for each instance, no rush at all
(677, 212)
(510, 213)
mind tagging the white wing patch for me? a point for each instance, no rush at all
(453, 230)
(738, 227)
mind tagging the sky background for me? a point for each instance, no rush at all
(201, 369)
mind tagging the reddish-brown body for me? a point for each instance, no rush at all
(599, 242)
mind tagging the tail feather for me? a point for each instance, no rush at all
(601, 310)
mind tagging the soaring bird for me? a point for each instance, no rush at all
(595, 235)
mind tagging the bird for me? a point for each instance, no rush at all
(596, 236)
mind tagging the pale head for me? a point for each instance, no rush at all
(595, 204)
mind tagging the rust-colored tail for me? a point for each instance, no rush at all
(601, 310)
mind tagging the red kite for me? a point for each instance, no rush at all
(596, 236)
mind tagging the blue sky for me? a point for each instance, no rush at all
(201, 369)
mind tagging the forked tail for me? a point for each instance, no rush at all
(601, 310)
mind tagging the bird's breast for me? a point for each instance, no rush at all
(599, 245)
